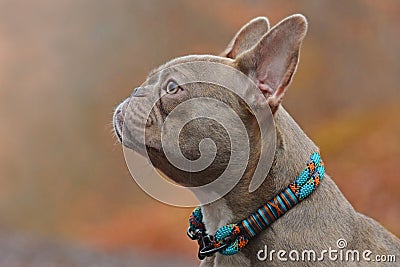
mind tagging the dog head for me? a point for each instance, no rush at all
(147, 121)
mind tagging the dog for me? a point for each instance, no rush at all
(269, 57)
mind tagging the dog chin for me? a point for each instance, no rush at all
(118, 120)
(117, 125)
(128, 142)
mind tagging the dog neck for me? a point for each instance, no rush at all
(292, 152)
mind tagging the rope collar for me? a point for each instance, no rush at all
(231, 238)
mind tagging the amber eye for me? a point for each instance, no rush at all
(172, 87)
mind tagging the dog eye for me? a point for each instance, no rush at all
(172, 87)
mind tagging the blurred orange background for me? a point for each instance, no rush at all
(64, 66)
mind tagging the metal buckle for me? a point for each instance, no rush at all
(206, 243)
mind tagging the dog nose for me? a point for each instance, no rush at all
(136, 91)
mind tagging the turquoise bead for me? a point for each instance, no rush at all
(303, 177)
(315, 157)
(306, 190)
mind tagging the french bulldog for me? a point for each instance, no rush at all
(269, 57)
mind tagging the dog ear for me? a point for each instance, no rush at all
(246, 37)
(273, 60)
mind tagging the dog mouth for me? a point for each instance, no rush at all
(118, 119)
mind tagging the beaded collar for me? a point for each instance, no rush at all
(231, 238)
